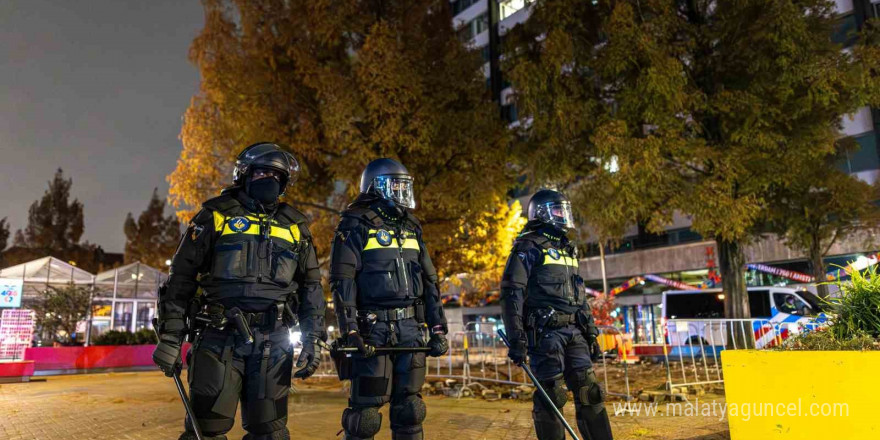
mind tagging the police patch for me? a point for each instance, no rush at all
(553, 253)
(239, 224)
(383, 237)
(196, 231)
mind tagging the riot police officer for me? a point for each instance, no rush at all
(545, 312)
(253, 258)
(385, 292)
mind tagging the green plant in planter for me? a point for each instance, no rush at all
(855, 317)
(824, 340)
(857, 309)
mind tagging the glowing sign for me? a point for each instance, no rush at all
(10, 292)
(16, 332)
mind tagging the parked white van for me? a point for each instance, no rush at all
(696, 317)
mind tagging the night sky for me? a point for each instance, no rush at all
(97, 87)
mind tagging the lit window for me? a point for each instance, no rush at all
(509, 7)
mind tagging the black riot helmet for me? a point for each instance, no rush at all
(268, 156)
(389, 179)
(551, 207)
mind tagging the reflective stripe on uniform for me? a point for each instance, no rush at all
(290, 234)
(409, 243)
(563, 259)
(219, 222)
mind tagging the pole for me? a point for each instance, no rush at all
(494, 53)
(602, 263)
(540, 389)
(90, 317)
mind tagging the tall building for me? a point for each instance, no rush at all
(680, 254)
(483, 24)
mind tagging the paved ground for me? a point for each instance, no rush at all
(145, 406)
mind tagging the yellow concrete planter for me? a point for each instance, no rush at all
(802, 394)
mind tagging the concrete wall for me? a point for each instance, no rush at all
(692, 256)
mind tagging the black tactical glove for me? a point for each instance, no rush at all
(308, 360)
(591, 333)
(595, 350)
(167, 354)
(592, 337)
(517, 350)
(438, 344)
(355, 340)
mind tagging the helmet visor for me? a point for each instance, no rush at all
(398, 189)
(559, 214)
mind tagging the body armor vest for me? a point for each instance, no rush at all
(554, 280)
(390, 274)
(253, 255)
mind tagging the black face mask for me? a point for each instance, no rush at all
(265, 190)
(392, 211)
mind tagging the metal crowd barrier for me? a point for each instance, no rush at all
(477, 360)
(611, 340)
(693, 350)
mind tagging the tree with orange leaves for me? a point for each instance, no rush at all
(341, 83)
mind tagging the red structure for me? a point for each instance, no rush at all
(93, 357)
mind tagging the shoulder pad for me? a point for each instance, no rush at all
(203, 217)
(348, 223)
(365, 215)
(413, 220)
(291, 215)
(224, 204)
(352, 223)
(535, 238)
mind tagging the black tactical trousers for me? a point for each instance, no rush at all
(223, 370)
(562, 355)
(397, 379)
(558, 352)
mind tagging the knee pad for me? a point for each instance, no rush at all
(361, 422)
(212, 429)
(554, 389)
(409, 411)
(547, 426)
(587, 390)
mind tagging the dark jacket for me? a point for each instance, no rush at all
(542, 273)
(242, 257)
(379, 261)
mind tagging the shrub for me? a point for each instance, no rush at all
(825, 340)
(854, 315)
(115, 337)
(144, 336)
(856, 311)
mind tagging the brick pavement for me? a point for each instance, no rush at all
(145, 406)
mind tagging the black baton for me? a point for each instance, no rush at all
(182, 392)
(379, 350)
(541, 389)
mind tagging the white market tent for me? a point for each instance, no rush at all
(125, 298)
(42, 273)
(38, 274)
